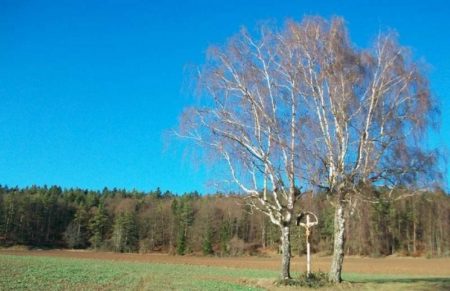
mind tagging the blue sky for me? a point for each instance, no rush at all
(88, 89)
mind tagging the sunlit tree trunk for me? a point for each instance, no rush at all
(285, 253)
(339, 244)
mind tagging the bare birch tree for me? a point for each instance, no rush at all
(365, 111)
(250, 118)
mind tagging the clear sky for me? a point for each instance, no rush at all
(88, 88)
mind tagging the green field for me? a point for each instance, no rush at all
(47, 273)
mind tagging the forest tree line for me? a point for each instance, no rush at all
(219, 224)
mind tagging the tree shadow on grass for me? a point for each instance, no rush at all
(437, 283)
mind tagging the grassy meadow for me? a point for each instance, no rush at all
(52, 273)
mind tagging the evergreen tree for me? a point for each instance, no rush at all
(76, 234)
(125, 233)
(225, 235)
(98, 225)
(207, 241)
(181, 242)
(185, 218)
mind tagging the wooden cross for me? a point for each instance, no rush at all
(307, 227)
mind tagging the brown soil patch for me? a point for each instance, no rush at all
(389, 265)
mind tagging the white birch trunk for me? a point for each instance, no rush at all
(339, 243)
(285, 253)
